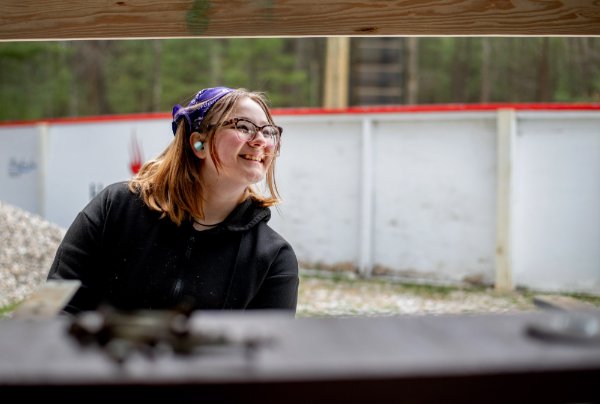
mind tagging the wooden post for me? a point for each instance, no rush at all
(506, 129)
(336, 72)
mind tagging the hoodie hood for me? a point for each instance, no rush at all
(245, 216)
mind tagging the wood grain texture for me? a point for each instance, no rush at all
(95, 19)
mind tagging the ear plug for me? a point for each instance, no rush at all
(198, 146)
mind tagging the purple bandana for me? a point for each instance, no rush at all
(197, 108)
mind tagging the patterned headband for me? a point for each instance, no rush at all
(197, 108)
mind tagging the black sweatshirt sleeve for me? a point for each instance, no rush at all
(77, 256)
(279, 290)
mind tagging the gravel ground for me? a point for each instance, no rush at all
(326, 294)
(28, 244)
(27, 247)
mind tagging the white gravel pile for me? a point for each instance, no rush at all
(27, 247)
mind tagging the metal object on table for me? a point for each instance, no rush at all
(572, 322)
(151, 332)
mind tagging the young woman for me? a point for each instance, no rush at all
(191, 227)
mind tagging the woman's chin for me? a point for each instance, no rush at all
(256, 178)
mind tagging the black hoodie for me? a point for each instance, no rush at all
(127, 257)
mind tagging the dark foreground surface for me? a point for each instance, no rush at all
(538, 356)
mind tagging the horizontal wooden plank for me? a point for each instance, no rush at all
(95, 19)
(416, 359)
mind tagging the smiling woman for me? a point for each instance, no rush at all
(190, 230)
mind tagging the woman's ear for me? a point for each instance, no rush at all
(197, 144)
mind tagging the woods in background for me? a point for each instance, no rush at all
(78, 78)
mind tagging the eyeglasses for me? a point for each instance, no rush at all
(247, 130)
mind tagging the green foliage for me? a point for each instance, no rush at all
(434, 78)
(5, 311)
(73, 78)
(134, 73)
(187, 66)
(32, 83)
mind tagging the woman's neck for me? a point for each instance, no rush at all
(218, 204)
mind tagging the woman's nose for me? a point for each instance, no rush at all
(260, 140)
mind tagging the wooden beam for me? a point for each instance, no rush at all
(112, 19)
(337, 72)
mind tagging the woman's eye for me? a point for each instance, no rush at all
(269, 131)
(244, 127)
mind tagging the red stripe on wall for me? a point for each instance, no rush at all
(323, 111)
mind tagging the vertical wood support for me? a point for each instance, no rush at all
(337, 67)
(365, 256)
(506, 132)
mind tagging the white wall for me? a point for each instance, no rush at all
(557, 202)
(435, 196)
(317, 174)
(84, 157)
(409, 194)
(21, 164)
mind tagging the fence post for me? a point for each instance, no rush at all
(506, 132)
(42, 167)
(365, 265)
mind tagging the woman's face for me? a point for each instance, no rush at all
(242, 162)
